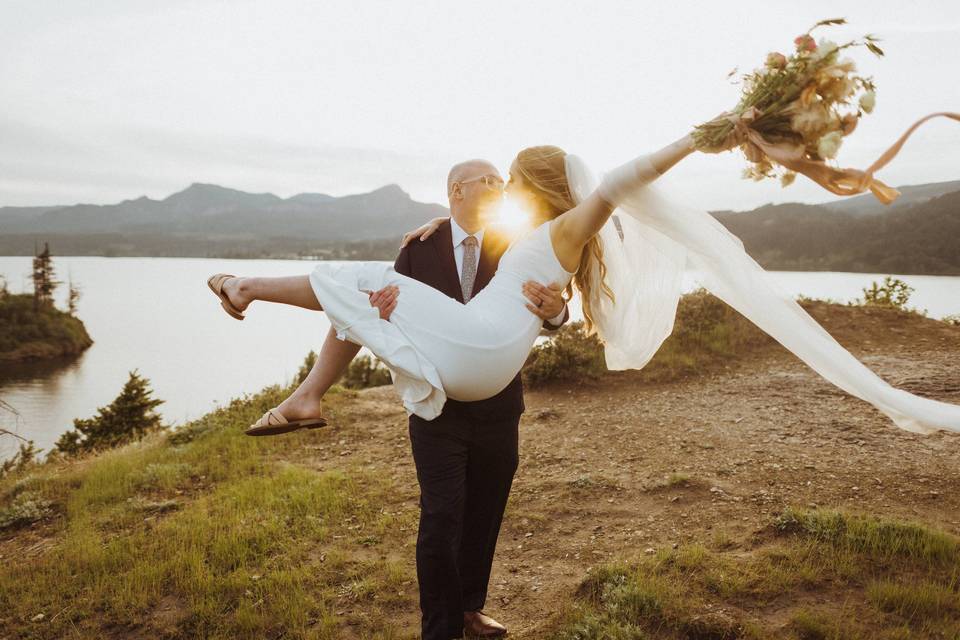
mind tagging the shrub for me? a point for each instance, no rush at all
(308, 362)
(27, 508)
(706, 331)
(25, 456)
(365, 372)
(569, 354)
(892, 293)
(128, 418)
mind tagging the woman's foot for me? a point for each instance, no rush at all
(298, 407)
(236, 293)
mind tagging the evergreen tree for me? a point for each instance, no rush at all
(73, 297)
(43, 278)
(128, 418)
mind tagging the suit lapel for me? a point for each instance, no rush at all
(443, 244)
(494, 244)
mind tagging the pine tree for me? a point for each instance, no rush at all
(128, 418)
(73, 297)
(43, 278)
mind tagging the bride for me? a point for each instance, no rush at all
(627, 268)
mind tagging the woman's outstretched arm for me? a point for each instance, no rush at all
(573, 229)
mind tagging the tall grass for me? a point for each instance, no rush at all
(829, 574)
(205, 532)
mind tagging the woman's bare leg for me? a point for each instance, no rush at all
(292, 290)
(335, 356)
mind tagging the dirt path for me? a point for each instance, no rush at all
(764, 433)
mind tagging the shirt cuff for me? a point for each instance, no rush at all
(557, 321)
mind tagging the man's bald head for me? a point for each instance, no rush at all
(469, 169)
(472, 200)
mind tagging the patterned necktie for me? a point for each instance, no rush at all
(469, 267)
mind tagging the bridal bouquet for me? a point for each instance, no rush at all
(795, 111)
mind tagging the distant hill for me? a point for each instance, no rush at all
(918, 234)
(918, 238)
(207, 219)
(867, 205)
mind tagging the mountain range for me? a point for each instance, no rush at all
(918, 233)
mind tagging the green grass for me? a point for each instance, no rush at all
(827, 575)
(207, 533)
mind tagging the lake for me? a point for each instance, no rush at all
(157, 315)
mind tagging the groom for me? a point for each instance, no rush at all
(466, 457)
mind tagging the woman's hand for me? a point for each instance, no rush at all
(733, 140)
(424, 231)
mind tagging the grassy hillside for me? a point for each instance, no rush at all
(205, 533)
(745, 498)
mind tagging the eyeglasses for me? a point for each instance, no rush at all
(489, 181)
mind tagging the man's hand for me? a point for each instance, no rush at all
(385, 300)
(545, 302)
(424, 231)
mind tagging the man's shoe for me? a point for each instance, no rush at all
(477, 624)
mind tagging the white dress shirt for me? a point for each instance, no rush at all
(457, 235)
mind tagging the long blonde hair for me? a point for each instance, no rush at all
(544, 169)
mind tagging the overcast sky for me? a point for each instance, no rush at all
(105, 100)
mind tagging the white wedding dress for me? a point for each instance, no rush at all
(436, 347)
(433, 345)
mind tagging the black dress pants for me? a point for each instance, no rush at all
(465, 466)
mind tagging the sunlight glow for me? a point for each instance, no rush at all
(511, 215)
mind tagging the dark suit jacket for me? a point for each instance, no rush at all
(431, 262)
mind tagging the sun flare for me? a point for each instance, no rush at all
(511, 215)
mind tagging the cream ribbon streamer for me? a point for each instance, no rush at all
(844, 182)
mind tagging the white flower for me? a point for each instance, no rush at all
(848, 65)
(824, 48)
(867, 101)
(810, 121)
(829, 144)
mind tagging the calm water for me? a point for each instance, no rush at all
(157, 315)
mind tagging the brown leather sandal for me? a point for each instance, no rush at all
(272, 422)
(215, 282)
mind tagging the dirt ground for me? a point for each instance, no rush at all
(753, 437)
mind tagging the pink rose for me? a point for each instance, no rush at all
(805, 43)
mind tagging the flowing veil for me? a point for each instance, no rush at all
(648, 243)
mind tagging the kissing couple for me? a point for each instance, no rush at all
(455, 317)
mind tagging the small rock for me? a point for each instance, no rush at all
(649, 550)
